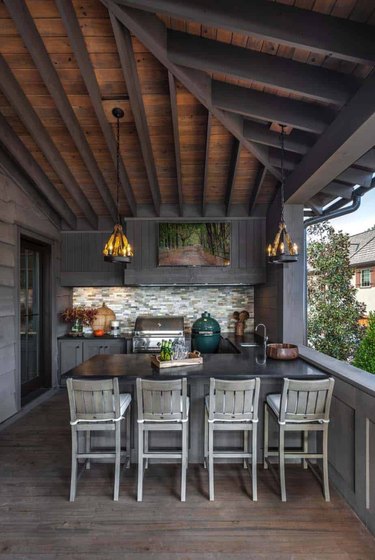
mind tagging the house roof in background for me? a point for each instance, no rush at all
(362, 248)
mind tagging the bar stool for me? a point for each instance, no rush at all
(162, 406)
(302, 406)
(232, 405)
(97, 405)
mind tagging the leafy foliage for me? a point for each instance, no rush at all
(365, 355)
(333, 311)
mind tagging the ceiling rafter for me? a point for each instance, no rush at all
(129, 69)
(34, 172)
(35, 45)
(298, 141)
(206, 164)
(288, 25)
(82, 56)
(176, 140)
(259, 180)
(20, 103)
(297, 77)
(337, 189)
(233, 168)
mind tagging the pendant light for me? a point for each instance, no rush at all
(118, 249)
(283, 250)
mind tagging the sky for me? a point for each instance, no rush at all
(358, 221)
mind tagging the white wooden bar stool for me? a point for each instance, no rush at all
(97, 405)
(162, 406)
(232, 405)
(302, 406)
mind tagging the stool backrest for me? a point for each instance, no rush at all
(162, 401)
(234, 400)
(306, 401)
(93, 399)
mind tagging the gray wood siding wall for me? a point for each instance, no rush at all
(18, 211)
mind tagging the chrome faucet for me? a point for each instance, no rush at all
(265, 337)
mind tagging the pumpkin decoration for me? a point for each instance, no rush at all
(241, 319)
(99, 332)
(103, 319)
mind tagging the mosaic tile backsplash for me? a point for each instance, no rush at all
(190, 302)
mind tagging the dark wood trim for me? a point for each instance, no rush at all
(233, 167)
(35, 45)
(20, 103)
(265, 106)
(129, 69)
(261, 175)
(205, 177)
(81, 54)
(287, 25)
(298, 141)
(296, 77)
(176, 138)
(35, 173)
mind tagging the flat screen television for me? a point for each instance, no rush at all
(194, 244)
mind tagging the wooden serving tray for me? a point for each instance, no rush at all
(193, 359)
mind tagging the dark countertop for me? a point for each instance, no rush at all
(248, 362)
(123, 336)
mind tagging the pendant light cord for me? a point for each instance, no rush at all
(118, 169)
(282, 136)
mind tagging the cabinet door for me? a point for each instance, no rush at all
(114, 347)
(92, 348)
(70, 354)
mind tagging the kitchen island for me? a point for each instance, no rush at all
(243, 363)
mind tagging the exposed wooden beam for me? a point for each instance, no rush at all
(287, 25)
(35, 45)
(367, 161)
(337, 189)
(81, 54)
(13, 171)
(32, 169)
(129, 69)
(356, 176)
(350, 136)
(259, 180)
(296, 77)
(233, 167)
(290, 159)
(206, 164)
(176, 138)
(316, 207)
(268, 107)
(298, 141)
(152, 33)
(20, 103)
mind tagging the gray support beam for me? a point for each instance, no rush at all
(350, 136)
(20, 103)
(268, 107)
(152, 33)
(233, 167)
(298, 141)
(355, 176)
(296, 77)
(81, 54)
(367, 161)
(35, 45)
(290, 159)
(129, 69)
(32, 169)
(287, 25)
(13, 171)
(337, 189)
(176, 138)
(261, 175)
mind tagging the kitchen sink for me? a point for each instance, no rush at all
(226, 347)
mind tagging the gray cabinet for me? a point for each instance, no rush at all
(70, 354)
(93, 347)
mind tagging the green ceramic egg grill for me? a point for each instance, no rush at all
(205, 334)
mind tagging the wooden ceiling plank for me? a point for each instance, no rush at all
(34, 43)
(348, 138)
(13, 171)
(233, 167)
(296, 77)
(24, 159)
(16, 97)
(259, 180)
(82, 56)
(129, 69)
(206, 164)
(151, 31)
(297, 141)
(176, 138)
(268, 107)
(288, 25)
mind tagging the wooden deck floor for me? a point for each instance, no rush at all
(38, 522)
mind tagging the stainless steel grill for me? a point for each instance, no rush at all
(149, 332)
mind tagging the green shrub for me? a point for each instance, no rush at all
(365, 355)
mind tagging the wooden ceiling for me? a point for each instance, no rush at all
(204, 85)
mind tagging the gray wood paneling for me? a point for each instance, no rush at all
(342, 444)
(7, 254)
(7, 331)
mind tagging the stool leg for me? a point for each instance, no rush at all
(245, 447)
(325, 464)
(127, 436)
(146, 448)
(140, 463)
(117, 461)
(205, 452)
(73, 479)
(282, 463)
(305, 447)
(88, 447)
(265, 436)
(184, 460)
(211, 460)
(254, 463)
